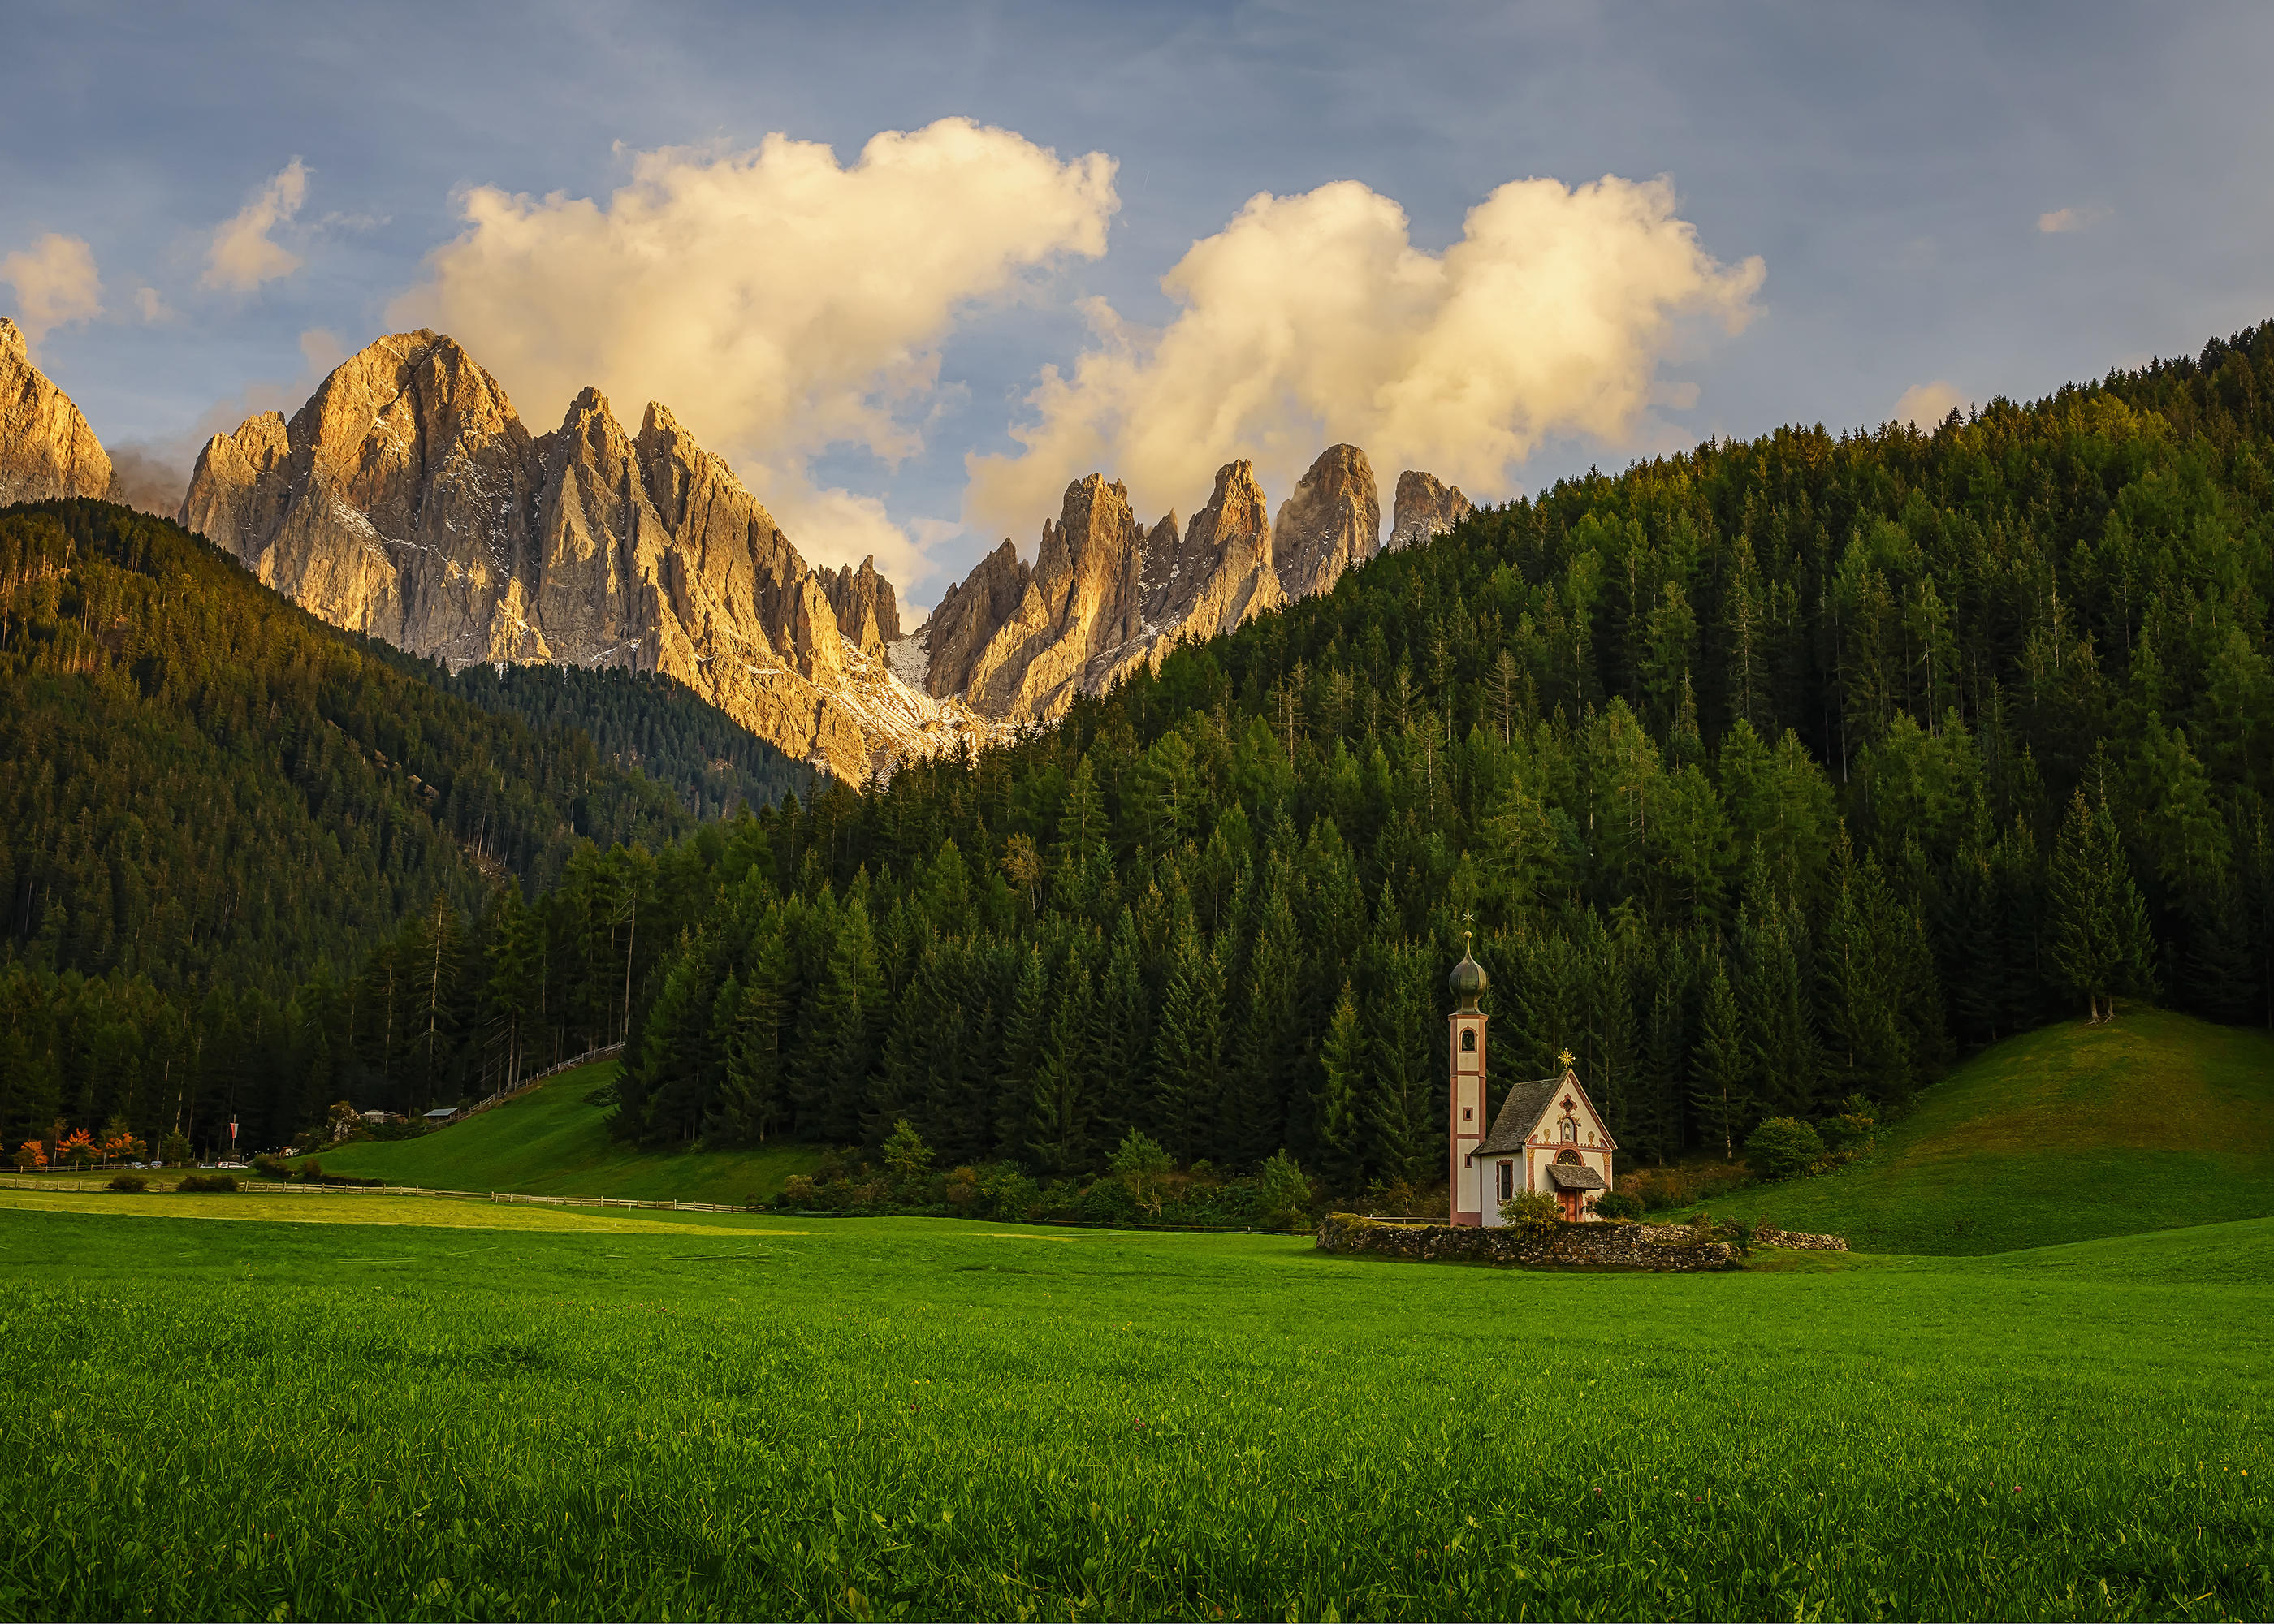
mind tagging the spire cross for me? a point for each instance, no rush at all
(1467, 919)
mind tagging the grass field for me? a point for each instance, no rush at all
(2152, 1121)
(550, 1142)
(353, 1407)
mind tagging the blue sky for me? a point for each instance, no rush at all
(1895, 171)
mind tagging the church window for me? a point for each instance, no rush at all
(1507, 1180)
(1568, 1158)
(1468, 1113)
(1468, 1039)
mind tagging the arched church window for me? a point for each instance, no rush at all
(1468, 1039)
(1568, 1158)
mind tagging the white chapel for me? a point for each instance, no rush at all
(1548, 1136)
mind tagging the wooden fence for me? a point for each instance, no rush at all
(528, 1083)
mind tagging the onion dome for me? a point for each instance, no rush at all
(1467, 980)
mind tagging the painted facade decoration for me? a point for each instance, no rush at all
(1548, 1135)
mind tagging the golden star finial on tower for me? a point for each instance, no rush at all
(1566, 1058)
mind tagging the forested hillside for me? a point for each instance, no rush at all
(212, 798)
(1765, 775)
(1770, 774)
(641, 721)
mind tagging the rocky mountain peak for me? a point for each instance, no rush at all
(1424, 507)
(1331, 524)
(407, 500)
(46, 448)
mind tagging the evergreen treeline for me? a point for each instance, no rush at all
(643, 722)
(1765, 775)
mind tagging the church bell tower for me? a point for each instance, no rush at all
(1468, 982)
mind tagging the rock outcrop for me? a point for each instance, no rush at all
(1424, 507)
(1222, 575)
(46, 448)
(1331, 524)
(867, 611)
(406, 499)
(1105, 596)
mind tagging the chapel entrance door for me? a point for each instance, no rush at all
(1568, 1200)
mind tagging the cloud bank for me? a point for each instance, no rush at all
(55, 284)
(2055, 222)
(242, 256)
(1313, 320)
(779, 302)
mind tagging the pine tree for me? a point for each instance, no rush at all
(2100, 944)
(1268, 1054)
(752, 1101)
(1188, 1048)
(1343, 1086)
(1721, 1091)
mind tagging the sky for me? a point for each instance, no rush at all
(911, 269)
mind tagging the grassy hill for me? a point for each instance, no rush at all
(551, 1141)
(2071, 1132)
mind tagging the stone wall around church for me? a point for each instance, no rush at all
(1664, 1247)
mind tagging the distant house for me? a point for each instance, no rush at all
(1548, 1136)
(376, 1117)
(440, 1115)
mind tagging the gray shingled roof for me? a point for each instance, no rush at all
(1575, 1177)
(1518, 1113)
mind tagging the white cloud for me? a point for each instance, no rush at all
(55, 284)
(241, 256)
(2057, 221)
(1313, 320)
(151, 305)
(778, 301)
(1927, 404)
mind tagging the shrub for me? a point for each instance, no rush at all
(907, 1159)
(798, 1190)
(312, 1172)
(1618, 1204)
(1143, 1167)
(1106, 1201)
(1782, 1146)
(272, 1167)
(1286, 1193)
(208, 1184)
(1533, 1211)
(130, 1184)
(603, 1093)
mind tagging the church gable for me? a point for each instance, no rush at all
(1552, 1109)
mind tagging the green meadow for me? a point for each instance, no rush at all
(2152, 1121)
(553, 1142)
(310, 1407)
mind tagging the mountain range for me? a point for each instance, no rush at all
(408, 501)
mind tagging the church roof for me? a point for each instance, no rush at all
(1575, 1177)
(1523, 1108)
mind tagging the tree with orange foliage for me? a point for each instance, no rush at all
(77, 1149)
(119, 1143)
(31, 1154)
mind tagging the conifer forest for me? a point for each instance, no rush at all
(1778, 772)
